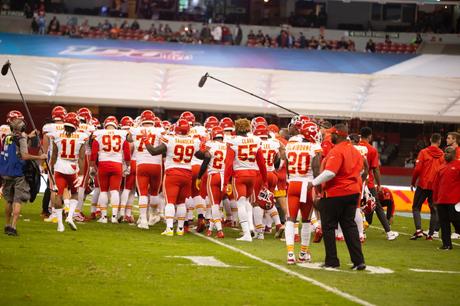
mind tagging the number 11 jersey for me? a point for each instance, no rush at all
(68, 149)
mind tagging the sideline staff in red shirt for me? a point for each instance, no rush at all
(342, 187)
(446, 193)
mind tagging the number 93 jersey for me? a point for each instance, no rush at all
(245, 148)
(111, 144)
(180, 151)
(68, 149)
(299, 156)
(141, 155)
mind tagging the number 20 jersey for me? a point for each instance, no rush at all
(68, 149)
(299, 156)
(110, 144)
(180, 151)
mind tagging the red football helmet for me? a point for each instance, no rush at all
(368, 203)
(111, 120)
(298, 120)
(95, 122)
(14, 114)
(211, 122)
(71, 119)
(227, 124)
(58, 113)
(261, 131)
(385, 194)
(216, 132)
(273, 128)
(182, 127)
(147, 116)
(166, 124)
(311, 132)
(257, 121)
(189, 116)
(126, 122)
(265, 199)
(84, 114)
(157, 122)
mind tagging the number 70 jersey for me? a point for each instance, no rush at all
(299, 157)
(180, 151)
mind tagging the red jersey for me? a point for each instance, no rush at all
(372, 160)
(427, 164)
(346, 162)
(446, 184)
(326, 145)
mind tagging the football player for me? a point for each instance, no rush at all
(129, 184)
(110, 149)
(67, 159)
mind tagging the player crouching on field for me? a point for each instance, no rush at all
(67, 159)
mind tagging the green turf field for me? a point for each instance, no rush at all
(119, 264)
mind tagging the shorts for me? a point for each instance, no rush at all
(177, 185)
(64, 182)
(149, 175)
(130, 180)
(15, 189)
(214, 188)
(294, 204)
(243, 183)
(110, 175)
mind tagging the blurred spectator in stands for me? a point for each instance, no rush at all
(28, 12)
(161, 29)
(5, 6)
(351, 45)
(41, 24)
(54, 25)
(84, 27)
(370, 46)
(409, 162)
(34, 25)
(124, 9)
(268, 41)
(167, 30)
(124, 25)
(323, 45)
(106, 26)
(153, 29)
(217, 33)
(260, 37)
(283, 39)
(313, 43)
(144, 10)
(135, 25)
(342, 44)
(205, 34)
(302, 41)
(238, 35)
(387, 39)
(114, 31)
(418, 39)
(227, 37)
(251, 35)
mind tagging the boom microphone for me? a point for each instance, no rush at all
(6, 67)
(200, 83)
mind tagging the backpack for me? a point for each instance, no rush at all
(10, 163)
(32, 176)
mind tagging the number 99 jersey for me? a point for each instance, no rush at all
(180, 151)
(245, 149)
(68, 149)
(299, 156)
(110, 145)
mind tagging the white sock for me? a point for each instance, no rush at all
(234, 208)
(250, 216)
(258, 218)
(115, 201)
(359, 222)
(66, 203)
(216, 217)
(59, 216)
(129, 204)
(102, 203)
(305, 234)
(190, 206)
(95, 199)
(81, 199)
(243, 215)
(199, 204)
(181, 212)
(154, 203)
(289, 234)
(72, 206)
(170, 212)
(273, 212)
(124, 201)
(338, 231)
(143, 204)
(228, 210)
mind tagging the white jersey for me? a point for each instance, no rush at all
(110, 144)
(49, 130)
(140, 154)
(218, 151)
(245, 148)
(270, 148)
(180, 151)
(362, 149)
(300, 156)
(68, 150)
(86, 128)
(200, 133)
(4, 130)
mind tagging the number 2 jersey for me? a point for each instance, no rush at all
(180, 151)
(218, 152)
(68, 149)
(300, 154)
(110, 146)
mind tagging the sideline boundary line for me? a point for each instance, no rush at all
(290, 272)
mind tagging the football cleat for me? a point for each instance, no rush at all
(339, 238)
(279, 231)
(209, 233)
(392, 235)
(128, 219)
(455, 236)
(267, 230)
(143, 225)
(435, 234)
(180, 231)
(259, 236)
(304, 257)
(71, 224)
(290, 258)
(429, 237)
(318, 235)
(220, 234)
(60, 228)
(246, 238)
(168, 232)
(359, 267)
(362, 239)
(102, 220)
(52, 218)
(114, 219)
(154, 219)
(79, 217)
(201, 225)
(416, 235)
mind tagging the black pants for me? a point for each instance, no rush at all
(419, 197)
(447, 214)
(341, 210)
(46, 199)
(379, 211)
(390, 208)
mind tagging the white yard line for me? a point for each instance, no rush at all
(435, 271)
(290, 272)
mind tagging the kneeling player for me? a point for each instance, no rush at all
(68, 156)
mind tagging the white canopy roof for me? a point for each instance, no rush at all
(397, 93)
